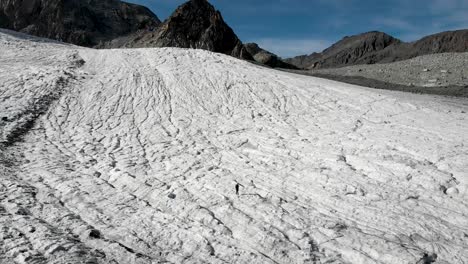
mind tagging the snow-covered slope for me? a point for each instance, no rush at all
(132, 156)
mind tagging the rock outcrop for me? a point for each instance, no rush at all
(266, 58)
(81, 22)
(378, 47)
(195, 24)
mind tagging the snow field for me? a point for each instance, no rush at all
(131, 156)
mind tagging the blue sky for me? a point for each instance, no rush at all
(296, 27)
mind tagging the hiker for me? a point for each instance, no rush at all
(253, 184)
(238, 185)
(427, 259)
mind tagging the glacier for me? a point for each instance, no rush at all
(133, 155)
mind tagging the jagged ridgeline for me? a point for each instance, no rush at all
(378, 47)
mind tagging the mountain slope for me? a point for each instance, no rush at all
(195, 24)
(449, 41)
(136, 155)
(81, 22)
(356, 49)
(377, 47)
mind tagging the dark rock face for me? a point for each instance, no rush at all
(195, 24)
(348, 51)
(449, 41)
(377, 47)
(81, 22)
(267, 58)
(303, 61)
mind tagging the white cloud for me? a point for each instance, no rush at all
(286, 48)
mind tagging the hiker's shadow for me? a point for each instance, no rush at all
(255, 195)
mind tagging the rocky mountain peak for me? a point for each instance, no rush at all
(350, 50)
(200, 7)
(195, 24)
